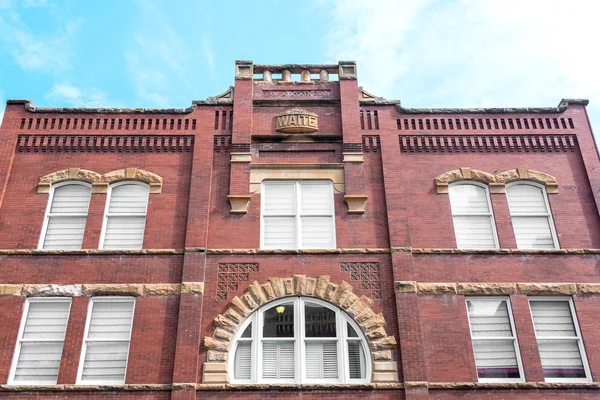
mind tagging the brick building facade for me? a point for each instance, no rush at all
(298, 236)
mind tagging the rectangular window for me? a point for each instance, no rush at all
(559, 340)
(297, 215)
(106, 343)
(40, 342)
(494, 340)
(125, 216)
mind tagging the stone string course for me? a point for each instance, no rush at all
(341, 295)
(102, 289)
(497, 288)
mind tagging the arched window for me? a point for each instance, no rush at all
(531, 216)
(66, 216)
(299, 340)
(472, 215)
(125, 216)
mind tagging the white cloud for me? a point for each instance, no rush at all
(472, 52)
(208, 53)
(73, 96)
(47, 52)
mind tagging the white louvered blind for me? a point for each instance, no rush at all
(41, 342)
(531, 217)
(107, 341)
(66, 217)
(243, 361)
(278, 360)
(472, 217)
(298, 215)
(321, 360)
(559, 342)
(126, 217)
(493, 338)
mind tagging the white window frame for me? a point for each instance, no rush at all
(107, 215)
(297, 215)
(584, 360)
(20, 340)
(513, 337)
(103, 299)
(490, 214)
(548, 214)
(48, 214)
(299, 348)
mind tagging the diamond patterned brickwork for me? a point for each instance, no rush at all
(229, 276)
(367, 273)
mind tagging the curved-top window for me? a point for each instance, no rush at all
(474, 226)
(299, 340)
(125, 217)
(531, 217)
(66, 216)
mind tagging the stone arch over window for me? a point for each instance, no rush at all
(135, 174)
(517, 174)
(497, 183)
(71, 174)
(462, 174)
(358, 308)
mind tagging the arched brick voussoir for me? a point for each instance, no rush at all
(257, 294)
(462, 174)
(519, 174)
(134, 174)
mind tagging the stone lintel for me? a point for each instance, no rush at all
(93, 289)
(239, 204)
(497, 288)
(240, 157)
(357, 157)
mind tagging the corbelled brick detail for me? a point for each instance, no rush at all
(341, 295)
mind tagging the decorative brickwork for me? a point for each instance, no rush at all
(371, 143)
(368, 275)
(229, 276)
(104, 144)
(487, 143)
(477, 123)
(341, 295)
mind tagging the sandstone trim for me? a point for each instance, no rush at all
(510, 386)
(97, 289)
(497, 288)
(85, 388)
(98, 181)
(341, 295)
(292, 251)
(496, 182)
(38, 252)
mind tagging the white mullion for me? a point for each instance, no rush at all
(342, 348)
(300, 347)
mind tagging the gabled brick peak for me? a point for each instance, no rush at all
(341, 295)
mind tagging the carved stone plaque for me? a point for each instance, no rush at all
(297, 120)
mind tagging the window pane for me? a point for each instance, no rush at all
(111, 320)
(351, 331)
(552, 318)
(71, 199)
(496, 359)
(278, 360)
(128, 199)
(247, 332)
(317, 232)
(64, 233)
(243, 361)
(316, 199)
(533, 233)
(279, 198)
(124, 232)
(561, 358)
(46, 320)
(321, 360)
(39, 362)
(489, 318)
(279, 321)
(319, 321)
(356, 359)
(280, 232)
(474, 232)
(526, 199)
(105, 361)
(468, 199)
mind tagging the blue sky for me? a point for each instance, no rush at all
(426, 53)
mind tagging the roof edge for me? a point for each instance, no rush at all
(29, 106)
(562, 106)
